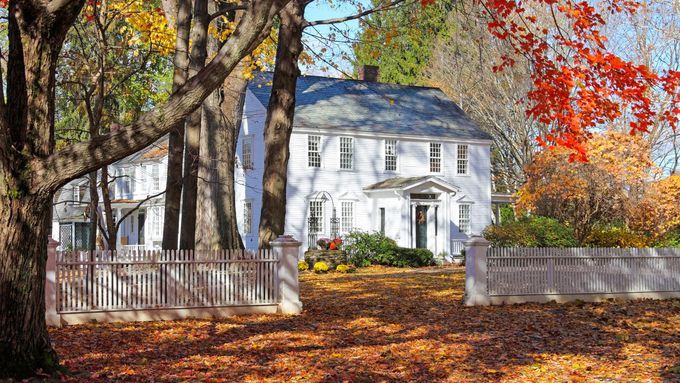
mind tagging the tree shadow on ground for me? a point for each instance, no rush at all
(392, 326)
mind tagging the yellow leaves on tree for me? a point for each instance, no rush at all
(261, 57)
(604, 189)
(658, 212)
(143, 24)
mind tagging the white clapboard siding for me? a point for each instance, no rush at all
(102, 280)
(564, 271)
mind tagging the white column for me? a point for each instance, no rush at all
(51, 316)
(476, 293)
(287, 249)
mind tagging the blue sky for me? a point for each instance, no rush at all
(321, 10)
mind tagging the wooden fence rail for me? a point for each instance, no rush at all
(148, 285)
(514, 275)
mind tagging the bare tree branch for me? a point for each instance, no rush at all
(359, 15)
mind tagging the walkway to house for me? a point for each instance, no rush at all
(389, 325)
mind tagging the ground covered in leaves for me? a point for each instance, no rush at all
(389, 325)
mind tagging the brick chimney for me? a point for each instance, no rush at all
(369, 73)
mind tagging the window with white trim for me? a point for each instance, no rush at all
(463, 155)
(390, 155)
(141, 181)
(314, 151)
(124, 182)
(247, 217)
(346, 152)
(346, 216)
(76, 195)
(157, 218)
(155, 177)
(435, 157)
(315, 216)
(464, 218)
(247, 153)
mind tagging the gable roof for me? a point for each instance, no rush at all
(373, 107)
(405, 183)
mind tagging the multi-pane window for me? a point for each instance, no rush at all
(346, 152)
(124, 182)
(155, 177)
(157, 217)
(462, 167)
(314, 151)
(390, 155)
(315, 216)
(435, 157)
(346, 216)
(247, 217)
(247, 153)
(464, 218)
(76, 195)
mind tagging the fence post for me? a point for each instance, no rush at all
(476, 292)
(51, 316)
(286, 250)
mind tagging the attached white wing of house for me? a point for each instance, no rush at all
(136, 188)
(402, 160)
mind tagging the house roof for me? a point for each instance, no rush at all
(373, 107)
(403, 183)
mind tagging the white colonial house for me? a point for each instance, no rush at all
(402, 160)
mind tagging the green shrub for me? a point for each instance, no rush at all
(364, 248)
(671, 239)
(615, 236)
(533, 231)
(405, 257)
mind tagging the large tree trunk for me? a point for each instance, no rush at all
(173, 185)
(217, 227)
(279, 123)
(199, 37)
(30, 171)
(24, 341)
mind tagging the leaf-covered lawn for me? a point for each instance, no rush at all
(389, 325)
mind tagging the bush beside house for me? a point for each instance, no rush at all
(374, 248)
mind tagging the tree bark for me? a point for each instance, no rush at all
(24, 341)
(30, 170)
(279, 122)
(111, 227)
(217, 227)
(199, 53)
(173, 185)
(94, 211)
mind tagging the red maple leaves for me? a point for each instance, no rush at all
(589, 87)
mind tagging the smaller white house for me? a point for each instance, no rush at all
(402, 160)
(136, 188)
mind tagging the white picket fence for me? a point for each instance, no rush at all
(149, 285)
(514, 275)
(89, 281)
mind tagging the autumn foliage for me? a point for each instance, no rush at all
(615, 185)
(388, 325)
(578, 83)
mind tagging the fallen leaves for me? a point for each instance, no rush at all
(388, 325)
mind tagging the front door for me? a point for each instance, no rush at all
(421, 227)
